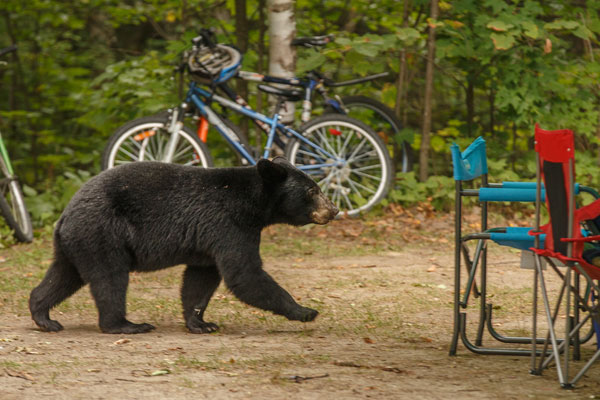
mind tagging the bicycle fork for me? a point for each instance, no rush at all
(175, 126)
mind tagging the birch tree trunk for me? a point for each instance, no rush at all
(425, 134)
(241, 35)
(282, 56)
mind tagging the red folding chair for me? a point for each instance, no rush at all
(569, 240)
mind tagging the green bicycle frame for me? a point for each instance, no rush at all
(4, 155)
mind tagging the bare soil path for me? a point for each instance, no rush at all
(384, 291)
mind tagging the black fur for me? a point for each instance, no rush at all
(148, 216)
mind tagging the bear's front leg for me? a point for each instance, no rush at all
(247, 280)
(199, 284)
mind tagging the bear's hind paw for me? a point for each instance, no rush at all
(49, 325)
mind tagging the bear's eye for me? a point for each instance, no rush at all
(313, 191)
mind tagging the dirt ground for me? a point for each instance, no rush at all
(384, 291)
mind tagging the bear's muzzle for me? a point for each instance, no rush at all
(324, 211)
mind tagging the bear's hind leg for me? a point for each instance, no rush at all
(60, 282)
(199, 284)
(110, 293)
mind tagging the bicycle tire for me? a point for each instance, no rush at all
(143, 139)
(405, 159)
(358, 148)
(12, 206)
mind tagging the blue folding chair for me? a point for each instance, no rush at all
(470, 165)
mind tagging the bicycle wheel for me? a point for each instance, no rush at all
(383, 121)
(12, 205)
(145, 139)
(351, 163)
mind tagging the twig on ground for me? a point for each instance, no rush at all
(300, 379)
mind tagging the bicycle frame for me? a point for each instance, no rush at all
(200, 98)
(4, 155)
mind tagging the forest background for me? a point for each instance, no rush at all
(86, 67)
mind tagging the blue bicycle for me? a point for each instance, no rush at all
(346, 158)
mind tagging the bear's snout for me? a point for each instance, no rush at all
(324, 211)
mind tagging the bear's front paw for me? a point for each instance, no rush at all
(197, 326)
(127, 328)
(303, 314)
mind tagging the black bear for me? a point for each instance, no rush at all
(146, 216)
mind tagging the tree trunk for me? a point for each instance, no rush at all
(424, 153)
(402, 72)
(282, 56)
(241, 35)
(262, 28)
(400, 89)
(492, 98)
(470, 99)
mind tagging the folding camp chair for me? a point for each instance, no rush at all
(566, 242)
(468, 166)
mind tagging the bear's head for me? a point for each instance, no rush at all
(298, 199)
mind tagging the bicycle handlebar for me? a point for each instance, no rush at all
(8, 49)
(330, 83)
(312, 41)
(206, 37)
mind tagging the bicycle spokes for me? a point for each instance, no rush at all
(357, 174)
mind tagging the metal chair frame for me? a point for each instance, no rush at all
(560, 349)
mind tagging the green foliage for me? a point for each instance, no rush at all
(85, 68)
(129, 89)
(44, 206)
(438, 190)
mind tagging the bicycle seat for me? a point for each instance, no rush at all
(290, 94)
(311, 41)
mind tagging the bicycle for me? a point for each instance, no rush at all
(381, 118)
(348, 159)
(12, 203)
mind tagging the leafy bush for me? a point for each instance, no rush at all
(437, 190)
(46, 206)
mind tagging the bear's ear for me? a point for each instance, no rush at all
(270, 171)
(281, 161)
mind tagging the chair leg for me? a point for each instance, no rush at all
(567, 324)
(553, 340)
(534, 370)
(483, 315)
(486, 350)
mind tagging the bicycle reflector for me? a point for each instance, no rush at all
(335, 132)
(203, 129)
(146, 134)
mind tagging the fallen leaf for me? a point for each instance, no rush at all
(26, 350)
(121, 341)
(160, 372)
(19, 374)
(368, 340)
